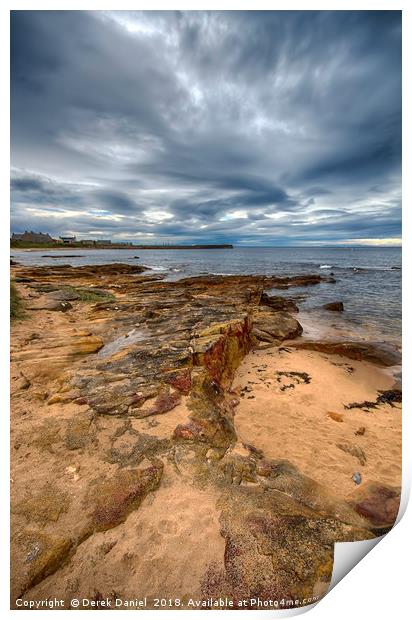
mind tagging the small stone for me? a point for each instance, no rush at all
(72, 471)
(337, 417)
(357, 478)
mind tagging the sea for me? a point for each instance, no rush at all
(368, 279)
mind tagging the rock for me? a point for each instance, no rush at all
(114, 498)
(43, 507)
(165, 401)
(334, 306)
(40, 395)
(278, 303)
(53, 306)
(64, 295)
(21, 384)
(357, 478)
(377, 503)
(73, 472)
(37, 554)
(337, 417)
(266, 282)
(85, 345)
(213, 454)
(264, 468)
(274, 548)
(274, 327)
(62, 256)
(283, 476)
(238, 465)
(221, 347)
(200, 322)
(78, 434)
(132, 447)
(378, 353)
(180, 380)
(194, 430)
(61, 398)
(353, 450)
(361, 431)
(76, 272)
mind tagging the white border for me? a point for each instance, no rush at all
(379, 585)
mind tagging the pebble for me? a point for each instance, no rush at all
(357, 478)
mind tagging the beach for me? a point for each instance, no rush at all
(193, 438)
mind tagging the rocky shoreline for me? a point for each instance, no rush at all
(125, 447)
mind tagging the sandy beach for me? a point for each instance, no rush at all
(308, 424)
(166, 437)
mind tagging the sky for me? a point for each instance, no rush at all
(252, 128)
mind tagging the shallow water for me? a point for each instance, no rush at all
(368, 279)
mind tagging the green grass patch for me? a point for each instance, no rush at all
(16, 303)
(89, 295)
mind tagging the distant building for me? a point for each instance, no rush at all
(68, 240)
(32, 237)
(103, 242)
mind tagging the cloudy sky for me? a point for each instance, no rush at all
(256, 128)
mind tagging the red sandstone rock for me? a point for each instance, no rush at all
(377, 503)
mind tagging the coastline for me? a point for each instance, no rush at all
(159, 398)
(113, 246)
(366, 281)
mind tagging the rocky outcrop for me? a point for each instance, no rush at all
(278, 543)
(278, 303)
(70, 272)
(379, 353)
(334, 306)
(274, 549)
(266, 282)
(221, 347)
(273, 327)
(211, 413)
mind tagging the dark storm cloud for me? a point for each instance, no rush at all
(115, 201)
(248, 127)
